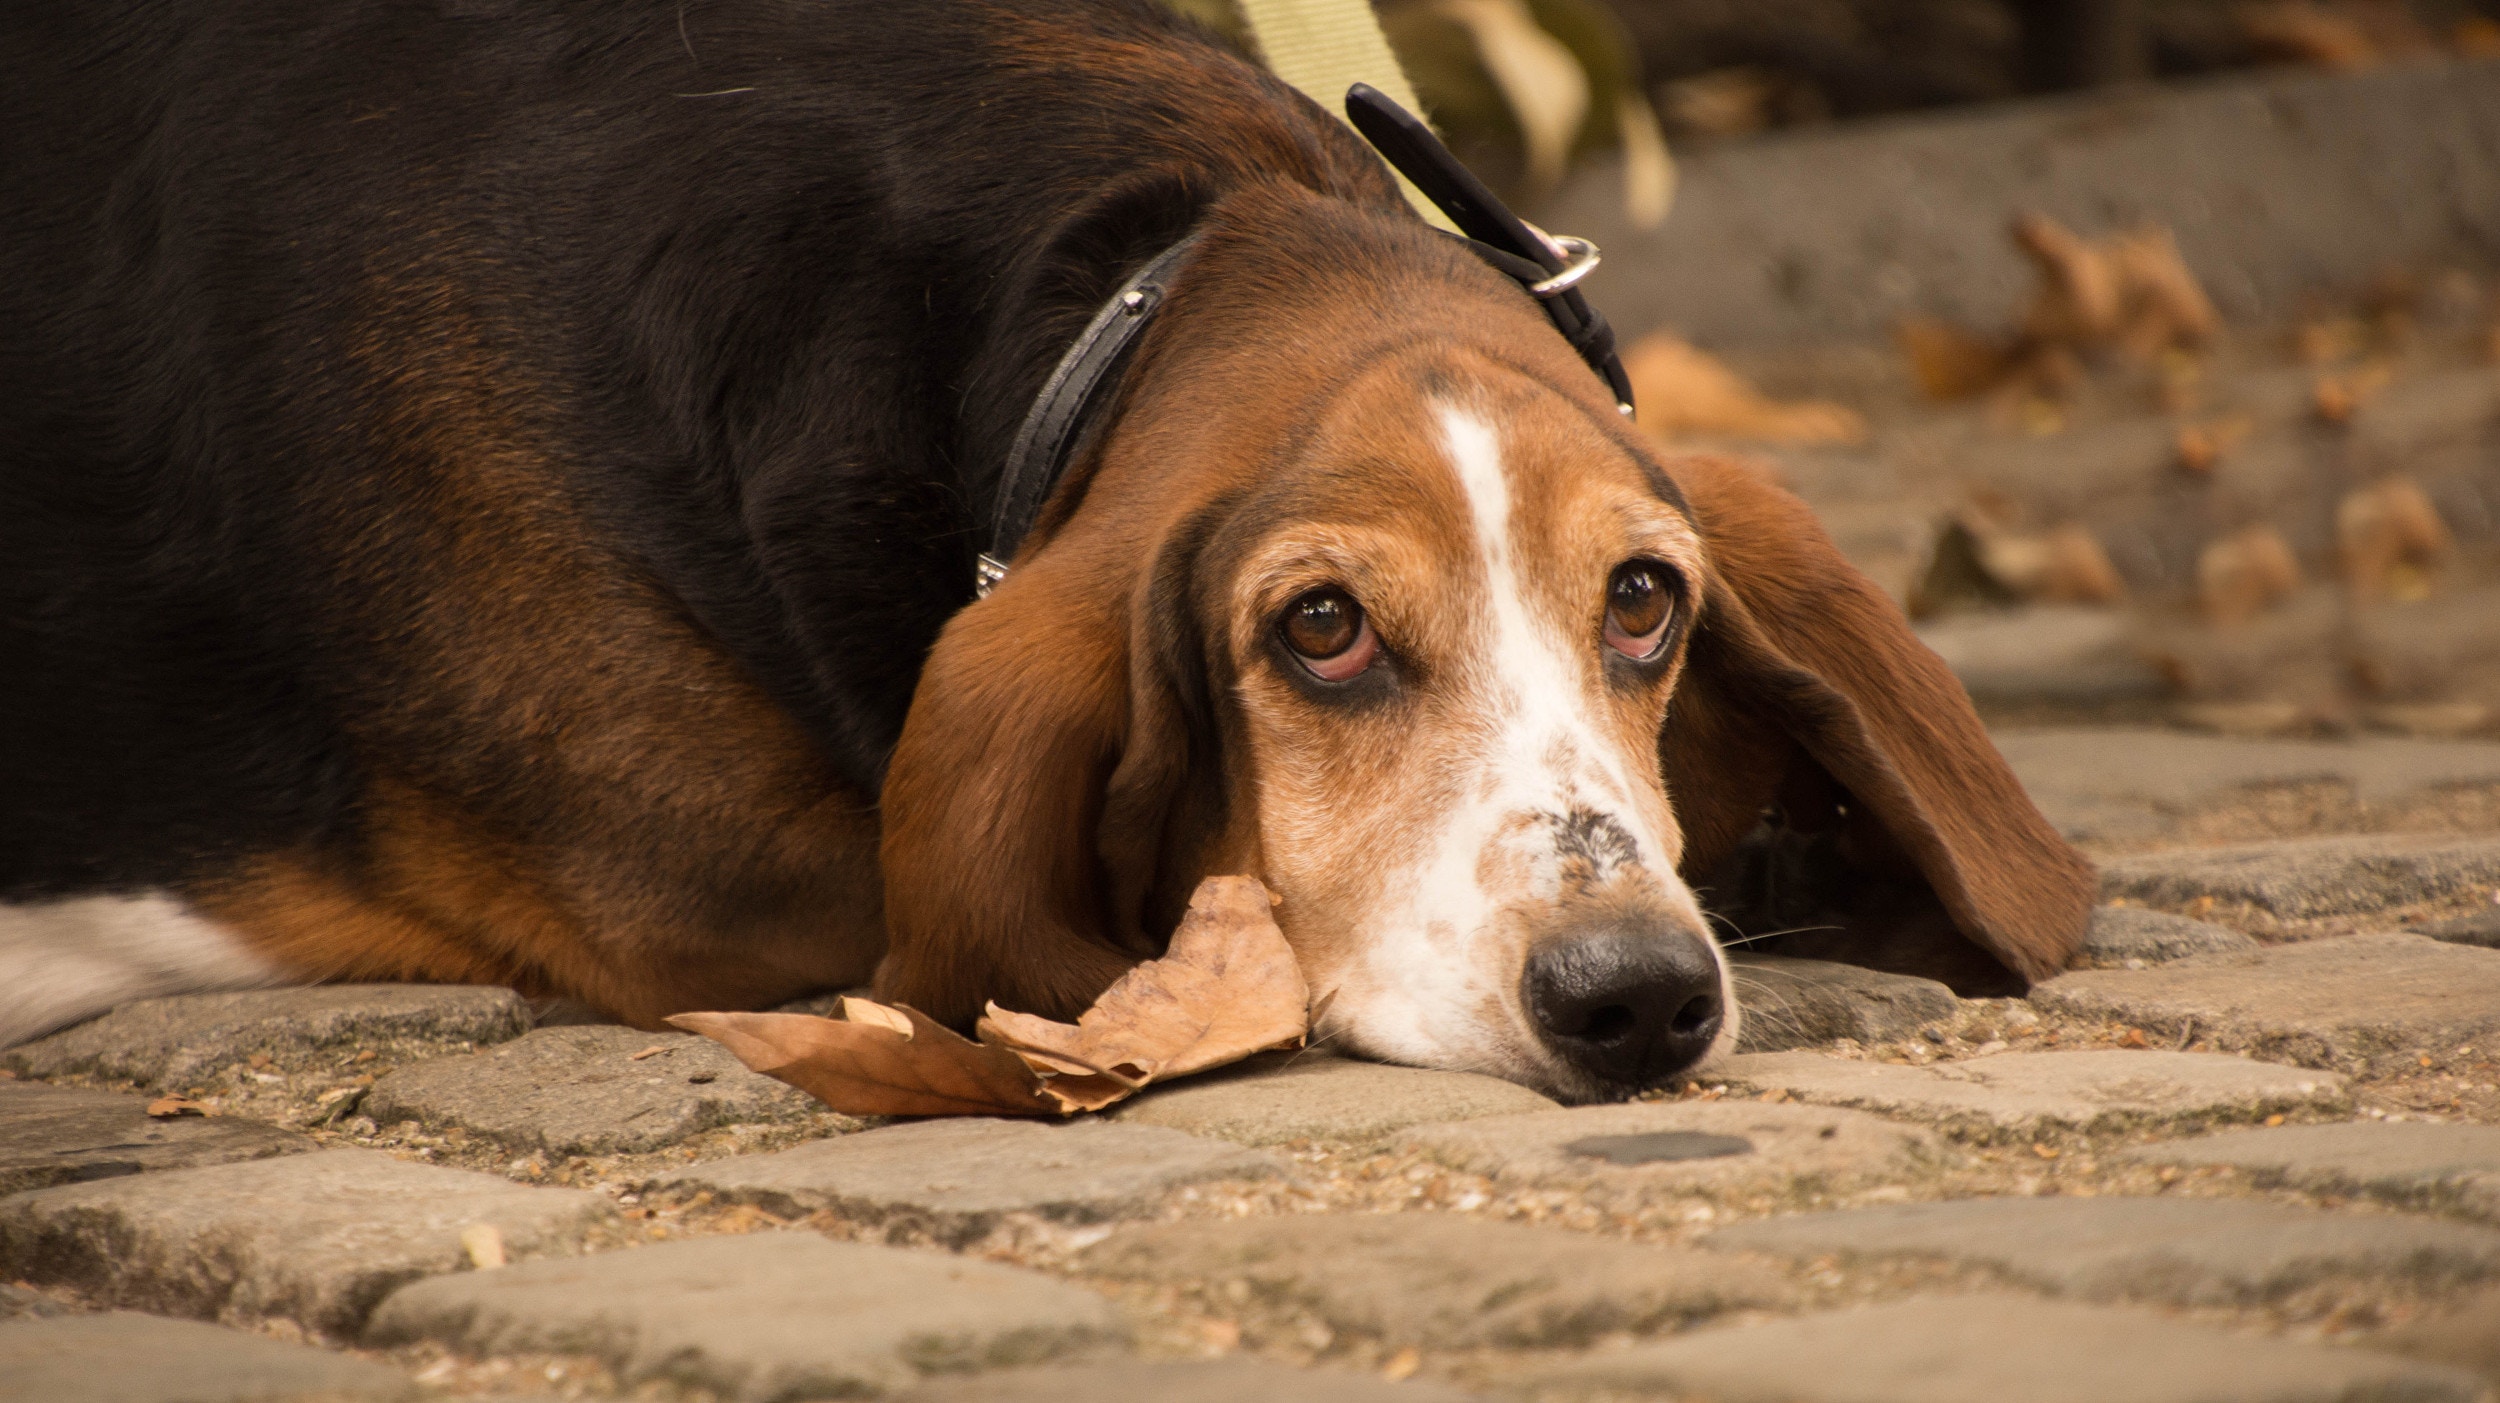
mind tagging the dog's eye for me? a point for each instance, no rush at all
(1326, 629)
(1639, 605)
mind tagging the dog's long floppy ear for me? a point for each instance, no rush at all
(1838, 795)
(1054, 780)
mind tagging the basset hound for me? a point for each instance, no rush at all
(493, 492)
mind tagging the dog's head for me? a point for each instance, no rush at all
(1370, 592)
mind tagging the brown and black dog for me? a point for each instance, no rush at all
(489, 492)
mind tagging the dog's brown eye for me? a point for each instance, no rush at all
(1327, 630)
(1639, 605)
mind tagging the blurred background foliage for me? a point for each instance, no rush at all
(1524, 88)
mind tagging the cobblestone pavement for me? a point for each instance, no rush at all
(2247, 1151)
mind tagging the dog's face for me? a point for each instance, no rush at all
(1368, 592)
(1454, 627)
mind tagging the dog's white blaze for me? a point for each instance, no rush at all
(61, 961)
(1432, 970)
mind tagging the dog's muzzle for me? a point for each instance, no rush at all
(1627, 1009)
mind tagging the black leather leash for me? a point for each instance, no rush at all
(1547, 267)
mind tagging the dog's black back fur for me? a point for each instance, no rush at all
(751, 294)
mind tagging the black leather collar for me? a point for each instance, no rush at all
(1039, 454)
(1545, 266)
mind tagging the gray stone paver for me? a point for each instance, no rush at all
(1997, 1349)
(25, 1303)
(2453, 1168)
(590, 1090)
(956, 1180)
(1794, 1003)
(2105, 783)
(2122, 933)
(2464, 1333)
(2477, 928)
(1178, 1381)
(59, 1135)
(2309, 879)
(1598, 1150)
(2355, 1003)
(1314, 1096)
(120, 1357)
(2279, 181)
(179, 1040)
(1441, 1280)
(2019, 1095)
(767, 1316)
(314, 1238)
(2180, 1251)
(2071, 652)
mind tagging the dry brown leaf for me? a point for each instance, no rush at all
(1980, 558)
(2342, 34)
(2130, 290)
(2336, 398)
(2388, 536)
(1227, 987)
(2163, 306)
(1722, 102)
(170, 1107)
(878, 1061)
(1948, 362)
(2200, 448)
(2080, 299)
(1682, 390)
(2300, 32)
(2241, 575)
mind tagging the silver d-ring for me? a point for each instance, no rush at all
(1583, 260)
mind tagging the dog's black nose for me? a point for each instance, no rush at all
(1630, 1010)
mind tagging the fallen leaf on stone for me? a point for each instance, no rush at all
(1228, 986)
(2243, 574)
(653, 1050)
(2388, 537)
(878, 1061)
(2331, 35)
(1979, 558)
(2129, 292)
(1684, 392)
(1948, 362)
(172, 1107)
(2336, 398)
(2200, 448)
